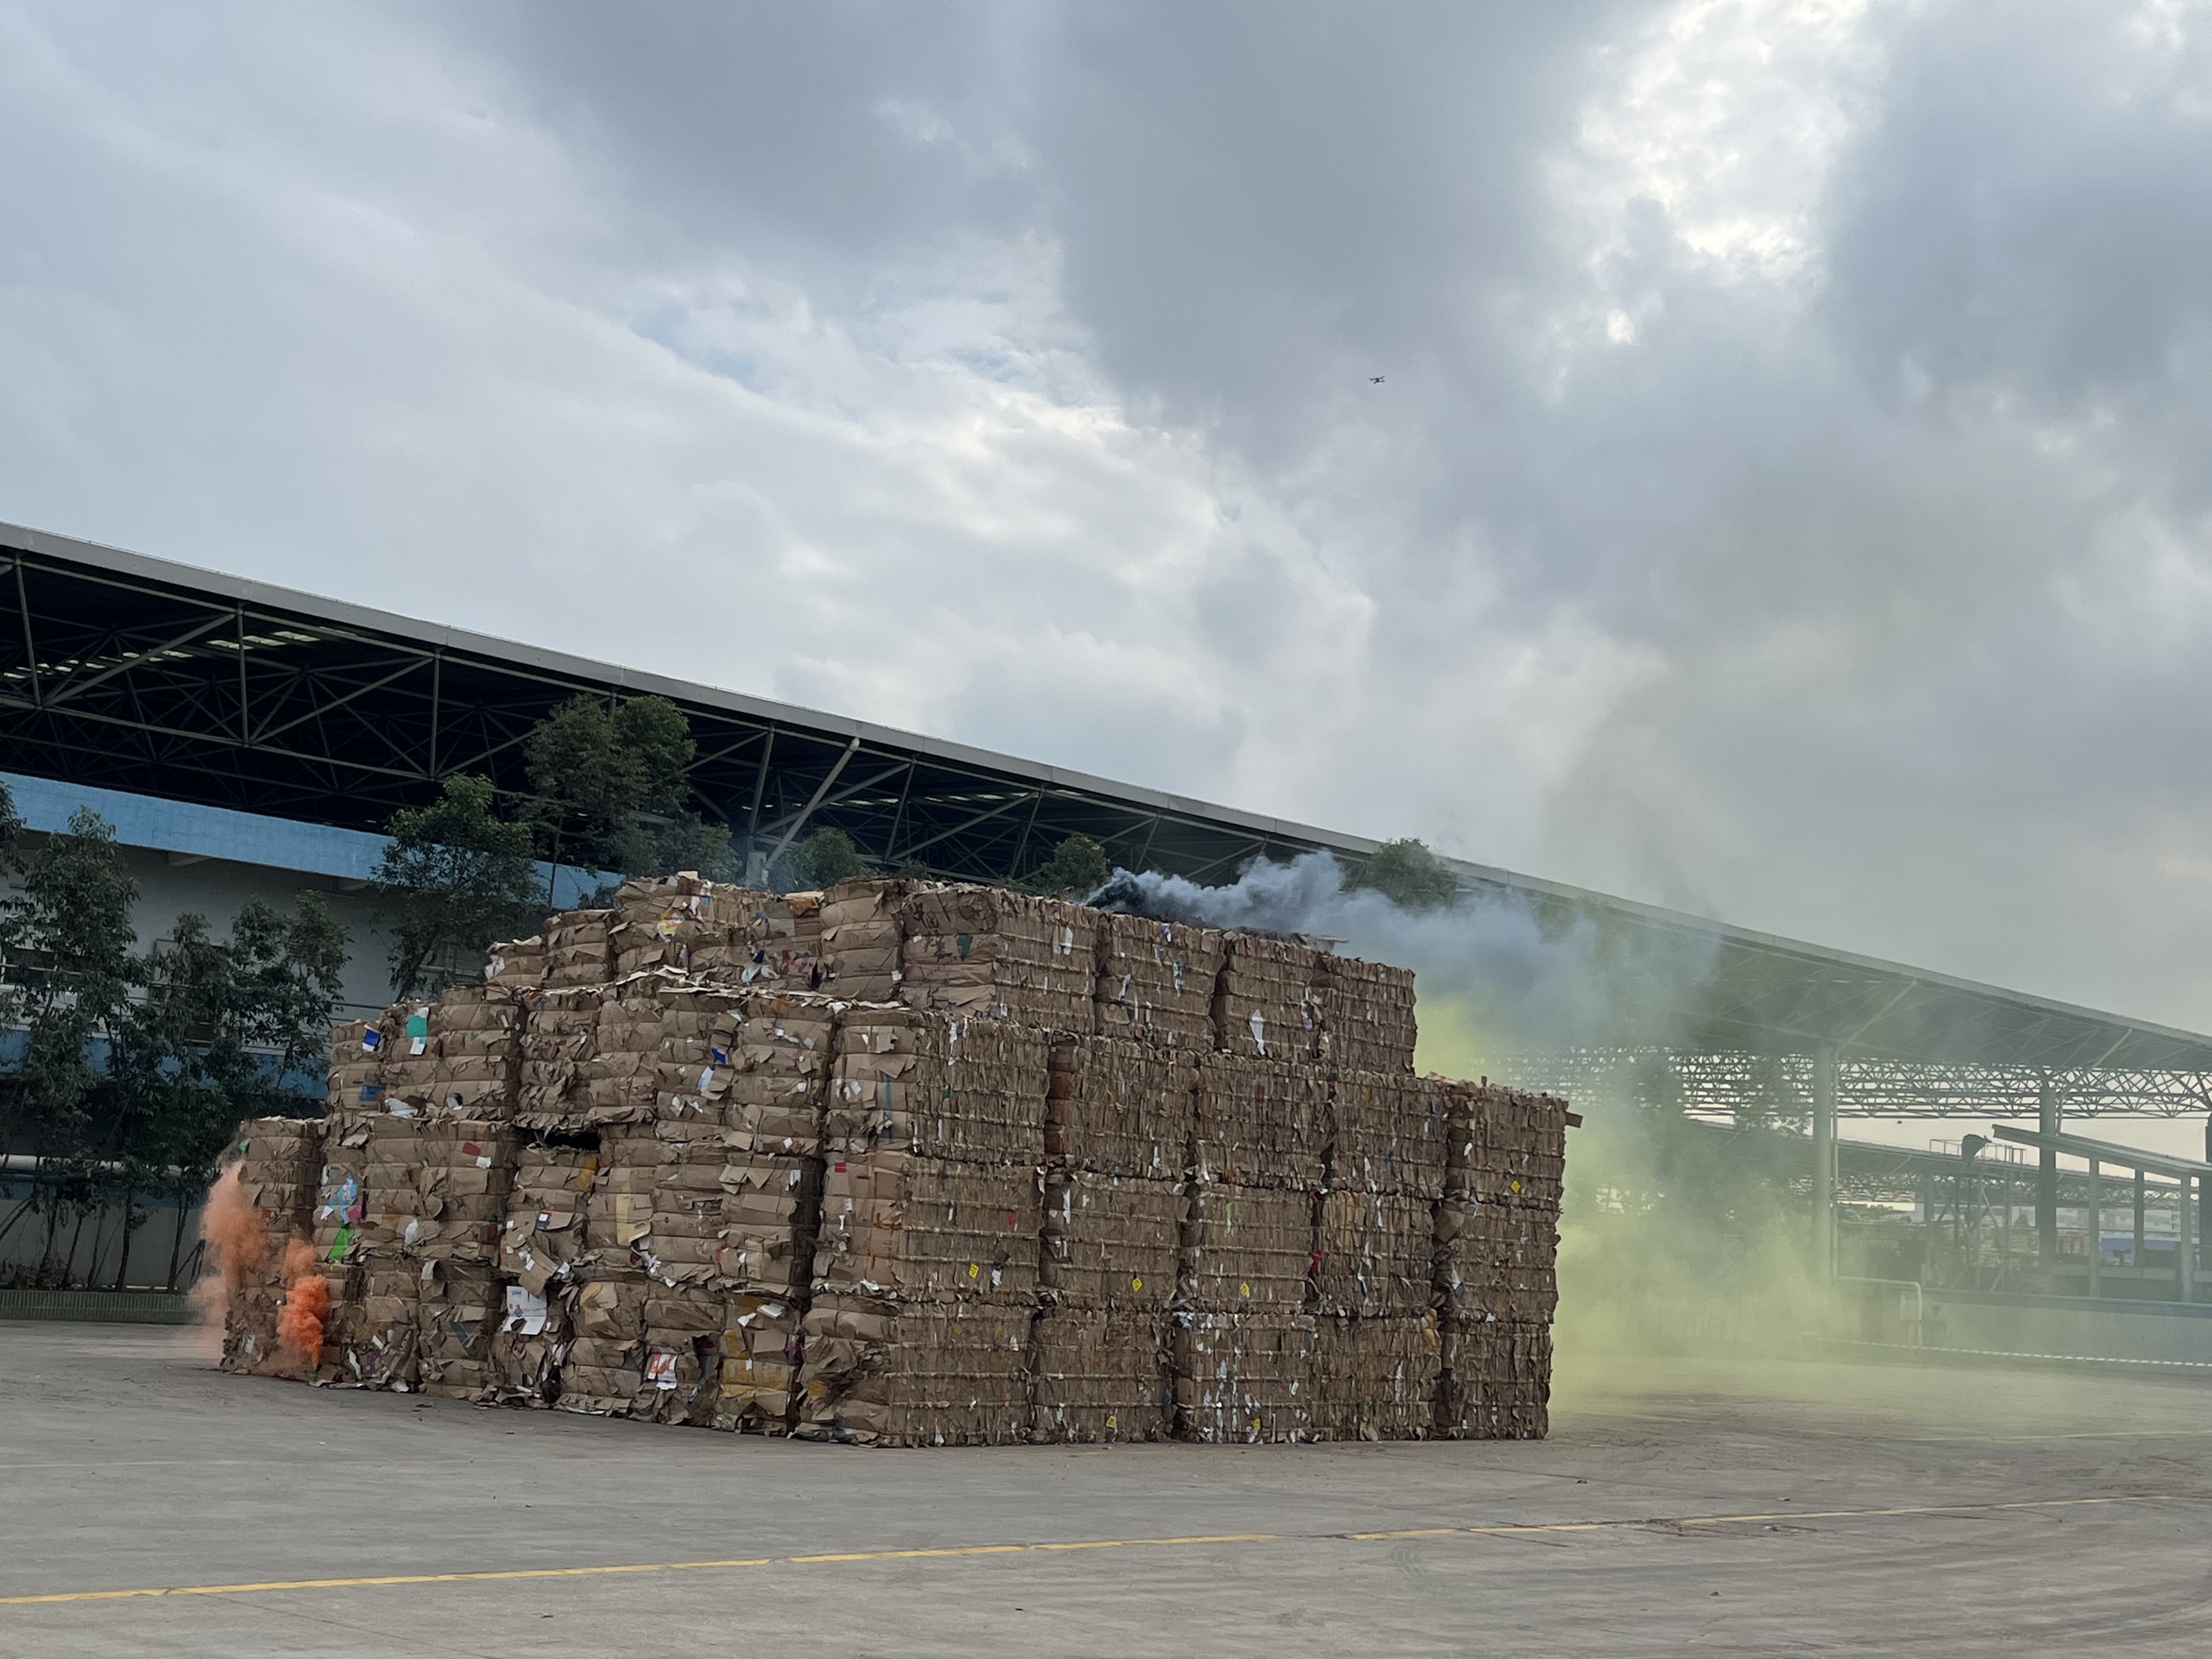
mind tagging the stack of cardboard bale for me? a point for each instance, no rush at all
(1244, 1339)
(1054, 1176)
(462, 1168)
(1497, 1239)
(772, 1052)
(1155, 980)
(1117, 1136)
(278, 1161)
(926, 1270)
(1373, 1269)
(539, 1251)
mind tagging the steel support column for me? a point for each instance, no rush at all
(2096, 1229)
(2046, 1179)
(1824, 1165)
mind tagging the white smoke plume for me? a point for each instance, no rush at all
(1493, 974)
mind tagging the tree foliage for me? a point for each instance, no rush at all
(134, 1068)
(612, 789)
(1078, 867)
(822, 859)
(455, 878)
(1407, 874)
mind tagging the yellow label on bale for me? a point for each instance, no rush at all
(1110, 1420)
(1135, 1284)
(972, 1270)
(1244, 1290)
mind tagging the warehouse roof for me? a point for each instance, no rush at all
(127, 673)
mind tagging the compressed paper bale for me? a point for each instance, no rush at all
(532, 1335)
(458, 1309)
(1155, 980)
(1246, 1249)
(684, 897)
(771, 1054)
(542, 1239)
(1243, 1378)
(618, 1208)
(1387, 1133)
(1266, 1003)
(605, 1367)
(1495, 1379)
(1260, 1124)
(1110, 1241)
(860, 938)
(894, 1225)
(518, 964)
(561, 1032)
(681, 1380)
(1376, 1379)
(1507, 1147)
(1373, 1255)
(476, 1042)
(1368, 1022)
(1098, 1376)
(908, 1080)
(775, 943)
(278, 1164)
(409, 1063)
(691, 1067)
(1120, 1107)
(771, 1215)
(463, 1171)
(761, 1347)
(578, 951)
(357, 1073)
(880, 1372)
(988, 953)
(1496, 1261)
(340, 1200)
(279, 1168)
(371, 1335)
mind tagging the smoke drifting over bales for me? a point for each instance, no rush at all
(1493, 976)
(1660, 1247)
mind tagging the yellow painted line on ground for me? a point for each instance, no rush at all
(1503, 1529)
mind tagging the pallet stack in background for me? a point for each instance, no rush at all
(908, 1164)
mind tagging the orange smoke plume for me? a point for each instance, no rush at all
(306, 1304)
(231, 1229)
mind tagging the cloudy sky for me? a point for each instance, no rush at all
(1785, 497)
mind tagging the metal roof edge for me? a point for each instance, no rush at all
(346, 613)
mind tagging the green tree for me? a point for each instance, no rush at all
(455, 878)
(70, 972)
(1078, 867)
(822, 859)
(222, 1032)
(1407, 874)
(612, 787)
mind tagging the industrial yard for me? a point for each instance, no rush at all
(1749, 1507)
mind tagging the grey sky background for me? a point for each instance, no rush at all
(1788, 498)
